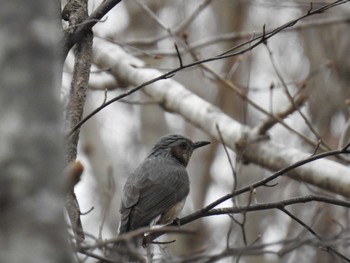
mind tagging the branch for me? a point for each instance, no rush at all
(76, 12)
(266, 206)
(70, 38)
(267, 124)
(207, 211)
(174, 97)
(231, 37)
(171, 32)
(259, 39)
(240, 49)
(262, 182)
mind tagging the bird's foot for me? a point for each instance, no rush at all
(177, 222)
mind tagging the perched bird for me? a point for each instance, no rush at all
(156, 191)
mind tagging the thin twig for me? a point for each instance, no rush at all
(268, 123)
(238, 50)
(184, 24)
(308, 228)
(290, 98)
(231, 37)
(178, 55)
(262, 182)
(228, 158)
(242, 95)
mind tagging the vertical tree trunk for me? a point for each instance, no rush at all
(31, 222)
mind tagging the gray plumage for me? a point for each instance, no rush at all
(158, 187)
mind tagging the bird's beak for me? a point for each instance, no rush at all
(200, 144)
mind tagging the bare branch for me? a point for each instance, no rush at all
(76, 13)
(262, 182)
(70, 38)
(202, 114)
(235, 51)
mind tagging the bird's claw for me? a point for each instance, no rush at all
(177, 222)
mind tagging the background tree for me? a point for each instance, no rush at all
(31, 158)
(265, 81)
(261, 79)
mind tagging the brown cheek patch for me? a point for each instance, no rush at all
(177, 152)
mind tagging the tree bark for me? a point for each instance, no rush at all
(32, 225)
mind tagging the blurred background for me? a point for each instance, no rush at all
(311, 57)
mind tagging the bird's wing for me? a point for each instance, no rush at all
(154, 188)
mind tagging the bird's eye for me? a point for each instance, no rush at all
(184, 145)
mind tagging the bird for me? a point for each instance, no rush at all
(155, 193)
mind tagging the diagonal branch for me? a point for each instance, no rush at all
(209, 211)
(235, 51)
(174, 97)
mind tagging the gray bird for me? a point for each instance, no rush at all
(156, 191)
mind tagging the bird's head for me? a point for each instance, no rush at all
(176, 146)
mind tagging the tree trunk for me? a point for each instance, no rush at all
(31, 223)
